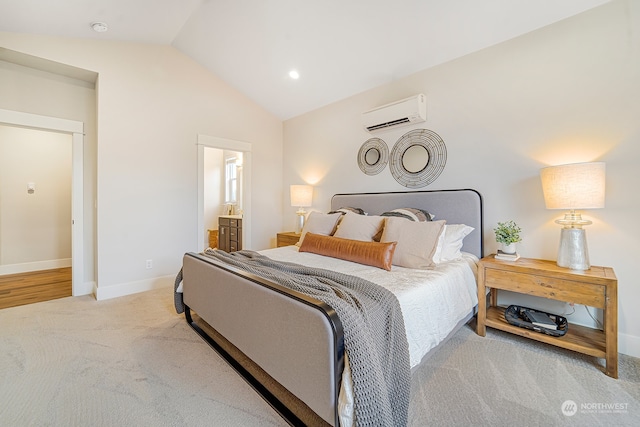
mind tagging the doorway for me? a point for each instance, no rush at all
(35, 216)
(75, 130)
(223, 188)
(215, 194)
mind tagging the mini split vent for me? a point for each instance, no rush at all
(400, 113)
(393, 123)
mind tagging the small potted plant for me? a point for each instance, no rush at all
(508, 234)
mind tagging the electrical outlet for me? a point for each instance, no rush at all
(149, 263)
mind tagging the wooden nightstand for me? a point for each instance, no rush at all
(596, 287)
(287, 238)
(213, 238)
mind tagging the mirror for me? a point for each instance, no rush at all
(372, 156)
(418, 158)
(415, 158)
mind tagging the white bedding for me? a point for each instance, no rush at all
(433, 302)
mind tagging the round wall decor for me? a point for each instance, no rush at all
(418, 158)
(373, 156)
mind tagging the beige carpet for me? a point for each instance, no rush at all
(129, 361)
(133, 361)
(506, 380)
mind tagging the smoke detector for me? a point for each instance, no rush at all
(99, 27)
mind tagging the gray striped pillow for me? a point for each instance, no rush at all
(349, 209)
(412, 214)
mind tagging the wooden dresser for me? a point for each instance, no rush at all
(230, 233)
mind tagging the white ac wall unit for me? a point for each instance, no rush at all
(400, 113)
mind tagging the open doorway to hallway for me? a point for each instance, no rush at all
(35, 215)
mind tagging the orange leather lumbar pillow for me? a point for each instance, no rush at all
(368, 253)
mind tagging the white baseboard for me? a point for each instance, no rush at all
(27, 267)
(629, 345)
(114, 291)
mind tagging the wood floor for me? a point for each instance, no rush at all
(37, 286)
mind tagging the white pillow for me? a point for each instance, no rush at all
(417, 241)
(319, 223)
(450, 242)
(359, 227)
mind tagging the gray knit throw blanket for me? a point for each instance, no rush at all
(374, 334)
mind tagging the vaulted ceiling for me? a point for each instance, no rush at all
(339, 47)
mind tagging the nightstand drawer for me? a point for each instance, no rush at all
(287, 238)
(589, 294)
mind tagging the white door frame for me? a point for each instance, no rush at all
(76, 129)
(232, 145)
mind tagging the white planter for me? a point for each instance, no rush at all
(509, 249)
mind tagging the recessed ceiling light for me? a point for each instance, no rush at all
(294, 74)
(99, 27)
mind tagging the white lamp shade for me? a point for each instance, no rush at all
(574, 186)
(301, 195)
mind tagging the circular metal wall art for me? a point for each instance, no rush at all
(373, 156)
(418, 158)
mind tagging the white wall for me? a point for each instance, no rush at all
(152, 102)
(34, 227)
(565, 93)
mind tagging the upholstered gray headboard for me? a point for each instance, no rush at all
(454, 206)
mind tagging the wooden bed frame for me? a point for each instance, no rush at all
(296, 340)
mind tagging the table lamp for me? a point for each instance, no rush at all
(301, 196)
(573, 186)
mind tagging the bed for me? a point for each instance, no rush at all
(290, 346)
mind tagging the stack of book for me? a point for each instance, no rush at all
(541, 319)
(507, 257)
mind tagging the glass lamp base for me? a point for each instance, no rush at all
(300, 220)
(573, 252)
